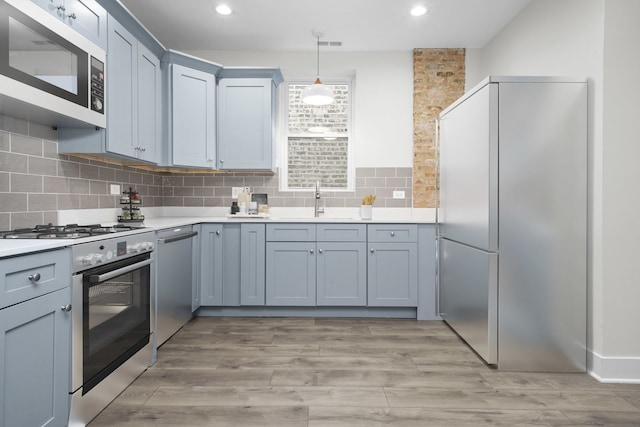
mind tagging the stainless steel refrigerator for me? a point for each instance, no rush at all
(512, 222)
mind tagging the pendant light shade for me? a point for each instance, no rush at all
(317, 93)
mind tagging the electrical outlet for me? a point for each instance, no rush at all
(398, 194)
(114, 189)
(235, 191)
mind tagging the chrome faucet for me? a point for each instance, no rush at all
(318, 209)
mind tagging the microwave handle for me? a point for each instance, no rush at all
(95, 278)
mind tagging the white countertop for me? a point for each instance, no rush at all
(10, 247)
(165, 217)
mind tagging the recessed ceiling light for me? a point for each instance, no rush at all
(418, 11)
(223, 9)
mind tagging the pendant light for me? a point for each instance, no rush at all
(317, 93)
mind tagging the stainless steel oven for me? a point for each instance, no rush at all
(113, 314)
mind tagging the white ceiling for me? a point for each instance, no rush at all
(286, 25)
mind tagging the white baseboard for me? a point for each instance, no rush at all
(614, 369)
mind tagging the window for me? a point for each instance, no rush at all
(317, 143)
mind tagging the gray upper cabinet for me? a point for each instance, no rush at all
(87, 17)
(246, 128)
(392, 265)
(134, 102)
(122, 102)
(246, 117)
(193, 117)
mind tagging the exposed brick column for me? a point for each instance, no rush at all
(438, 80)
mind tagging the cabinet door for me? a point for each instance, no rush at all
(122, 92)
(196, 295)
(149, 105)
(291, 274)
(245, 124)
(35, 338)
(393, 275)
(211, 264)
(88, 18)
(342, 274)
(231, 265)
(252, 260)
(193, 117)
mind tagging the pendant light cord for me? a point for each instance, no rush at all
(318, 57)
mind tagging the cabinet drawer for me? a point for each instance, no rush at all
(291, 232)
(342, 232)
(390, 233)
(32, 275)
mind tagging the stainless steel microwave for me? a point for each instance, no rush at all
(48, 70)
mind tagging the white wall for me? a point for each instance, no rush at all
(597, 39)
(384, 95)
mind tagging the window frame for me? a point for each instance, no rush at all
(283, 134)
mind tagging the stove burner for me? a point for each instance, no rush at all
(69, 231)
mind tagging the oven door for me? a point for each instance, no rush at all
(115, 320)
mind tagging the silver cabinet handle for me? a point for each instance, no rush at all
(66, 308)
(61, 7)
(34, 277)
(72, 16)
(320, 250)
(372, 250)
(221, 160)
(217, 232)
(310, 251)
(393, 233)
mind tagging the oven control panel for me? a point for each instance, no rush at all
(114, 248)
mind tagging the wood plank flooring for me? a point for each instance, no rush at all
(351, 372)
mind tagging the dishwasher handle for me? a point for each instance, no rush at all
(179, 237)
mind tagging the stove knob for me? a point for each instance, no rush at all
(136, 248)
(129, 249)
(98, 258)
(109, 255)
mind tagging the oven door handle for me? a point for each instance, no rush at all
(97, 278)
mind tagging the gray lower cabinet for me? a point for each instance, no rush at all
(341, 274)
(291, 274)
(316, 265)
(35, 338)
(252, 264)
(392, 265)
(232, 264)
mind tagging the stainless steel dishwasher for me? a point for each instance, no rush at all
(174, 279)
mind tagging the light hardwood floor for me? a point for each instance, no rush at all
(351, 372)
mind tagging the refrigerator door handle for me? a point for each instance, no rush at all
(437, 287)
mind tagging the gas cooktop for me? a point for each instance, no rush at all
(69, 231)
